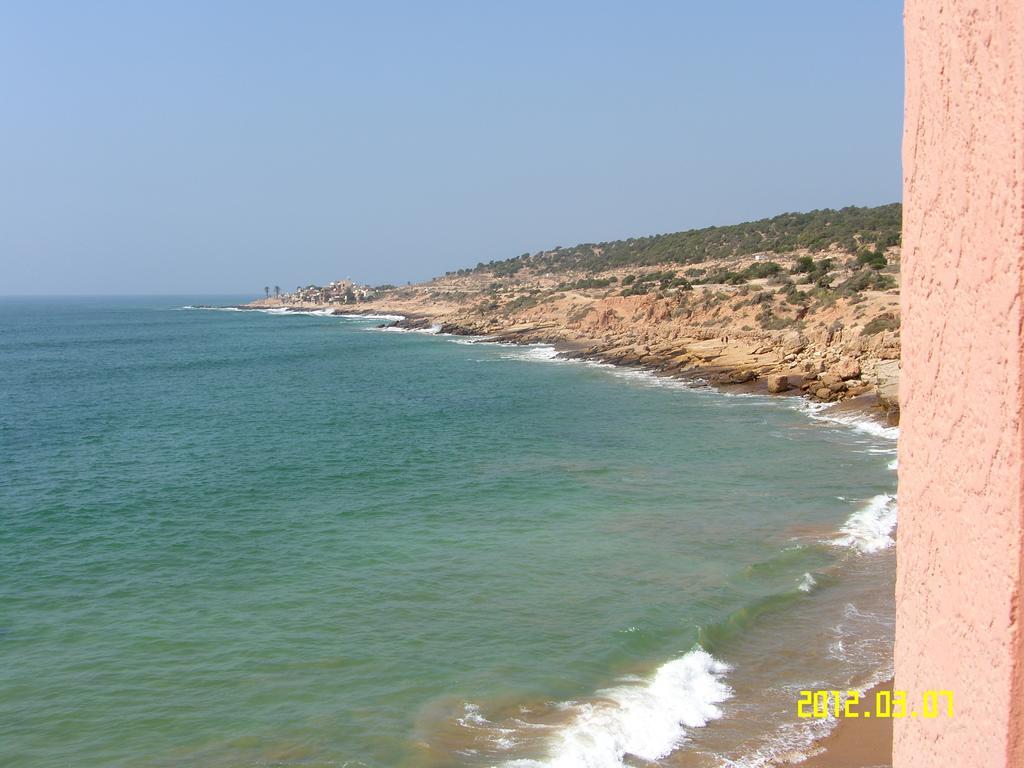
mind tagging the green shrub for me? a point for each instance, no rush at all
(771, 322)
(886, 321)
(865, 280)
(816, 230)
(794, 296)
(803, 265)
(762, 269)
(873, 259)
(592, 282)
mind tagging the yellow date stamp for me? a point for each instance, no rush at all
(883, 704)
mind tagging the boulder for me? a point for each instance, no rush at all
(823, 394)
(741, 377)
(856, 388)
(792, 343)
(778, 384)
(889, 395)
(831, 381)
(846, 368)
(887, 384)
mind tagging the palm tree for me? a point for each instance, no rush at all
(277, 291)
(266, 290)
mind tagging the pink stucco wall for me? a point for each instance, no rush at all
(961, 464)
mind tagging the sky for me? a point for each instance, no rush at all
(194, 147)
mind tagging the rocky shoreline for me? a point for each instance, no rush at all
(820, 378)
(789, 364)
(780, 364)
(822, 324)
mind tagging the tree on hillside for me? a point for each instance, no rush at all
(277, 291)
(850, 229)
(266, 290)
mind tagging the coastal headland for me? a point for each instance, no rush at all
(797, 304)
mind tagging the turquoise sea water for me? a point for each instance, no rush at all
(247, 539)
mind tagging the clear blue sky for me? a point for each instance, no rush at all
(197, 147)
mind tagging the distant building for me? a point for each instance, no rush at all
(335, 292)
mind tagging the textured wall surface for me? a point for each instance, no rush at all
(960, 530)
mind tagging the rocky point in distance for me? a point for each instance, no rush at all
(796, 303)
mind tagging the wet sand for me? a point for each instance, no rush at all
(857, 743)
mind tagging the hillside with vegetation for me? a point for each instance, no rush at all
(848, 229)
(800, 301)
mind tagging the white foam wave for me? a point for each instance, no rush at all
(312, 312)
(856, 642)
(790, 744)
(827, 412)
(496, 736)
(284, 311)
(807, 583)
(871, 527)
(460, 339)
(355, 316)
(432, 330)
(894, 464)
(268, 310)
(511, 351)
(794, 742)
(646, 718)
(648, 378)
(540, 352)
(548, 353)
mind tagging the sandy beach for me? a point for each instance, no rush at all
(857, 743)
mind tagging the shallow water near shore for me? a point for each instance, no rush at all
(254, 539)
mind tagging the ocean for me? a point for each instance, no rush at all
(261, 539)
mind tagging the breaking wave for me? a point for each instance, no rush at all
(647, 719)
(871, 527)
(827, 412)
(356, 316)
(267, 310)
(432, 330)
(540, 352)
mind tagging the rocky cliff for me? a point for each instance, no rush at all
(822, 322)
